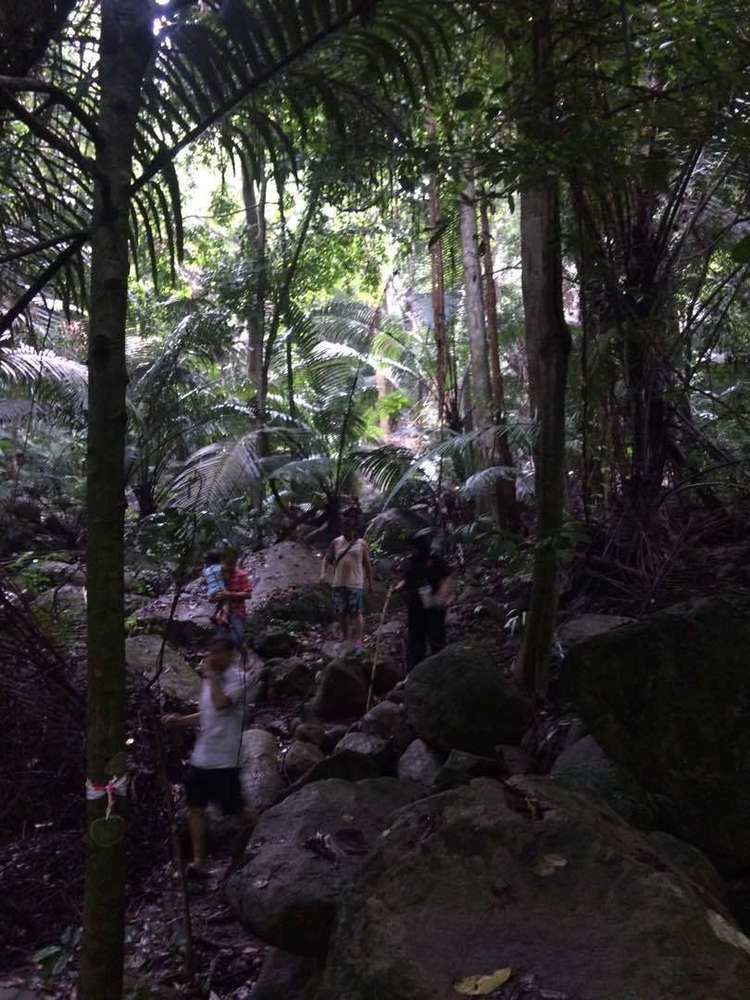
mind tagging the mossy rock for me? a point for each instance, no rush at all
(460, 699)
(669, 698)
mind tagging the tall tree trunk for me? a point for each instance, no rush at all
(474, 309)
(254, 194)
(125, 50)
(506, 488)
(548, 347)
(437, 263)
(481, 392)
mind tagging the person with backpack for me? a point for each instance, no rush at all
(349, 558)
(426, 583)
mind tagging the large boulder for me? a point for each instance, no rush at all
(390, 533)
(669, 698)
(460, 699)
(177, 678)
(304, 852)
(587, 626)
(299, 757)
(61, 613)
(342, 693)
(289, 678)
(275, 643)
(284, 976)
(586, 766)
(534, 886)
(40, 574)
(189, 625)
(260, 774)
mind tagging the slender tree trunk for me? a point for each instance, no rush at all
(548, 347)
(474, 308)
(481, 391)
(125, 49)
(506, 488)
(254, 193)
(437, 263)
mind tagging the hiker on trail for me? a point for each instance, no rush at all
(426, 582)
(214, 774)
(349, 557)
(236, 591)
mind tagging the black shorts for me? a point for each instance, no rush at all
(218, 785)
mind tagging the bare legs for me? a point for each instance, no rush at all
(198, 824)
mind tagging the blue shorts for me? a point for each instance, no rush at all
(348, 601)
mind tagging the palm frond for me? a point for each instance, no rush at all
(217, 474)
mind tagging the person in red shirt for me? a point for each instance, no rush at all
(238, 590)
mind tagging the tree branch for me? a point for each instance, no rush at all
(51, 138)
(43, 245)
(47, 274)
(29, 86)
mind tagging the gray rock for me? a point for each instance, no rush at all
(385, 719)
(308, 732)
(343, 690)
(345, 765)
(304, 851)
(53, 573)
(191, 624)
(285, 976)
(515, 760)
(391, 531)
(299, 758)
(587, 626)
(460, 768)
(690, 862)
(366, 745)
(419, 763)
(586, 767)
(669, 698)
(177, 677)
(66, 601)
(535, 878)
(275, 643)
(333, 736)
(259, 769)
(460, 699)
(289, 679)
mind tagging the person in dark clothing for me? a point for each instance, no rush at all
(426, 583)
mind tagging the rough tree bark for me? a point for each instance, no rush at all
(548, 347)
(125, 50)
(474, 309)
(440, 328)
(254, 194)
(506, 488)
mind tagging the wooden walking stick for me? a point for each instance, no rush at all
(378, 635)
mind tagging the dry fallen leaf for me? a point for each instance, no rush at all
(482, 986)
(549, 864)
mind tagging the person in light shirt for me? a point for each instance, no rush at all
(214, 775)
(349, 558)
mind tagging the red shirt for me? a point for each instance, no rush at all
(239, 583)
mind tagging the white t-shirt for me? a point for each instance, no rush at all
(220, 734)
(350, 569)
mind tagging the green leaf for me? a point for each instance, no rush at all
(469, 100)
(741, 251)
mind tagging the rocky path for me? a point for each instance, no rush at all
(446, 838)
